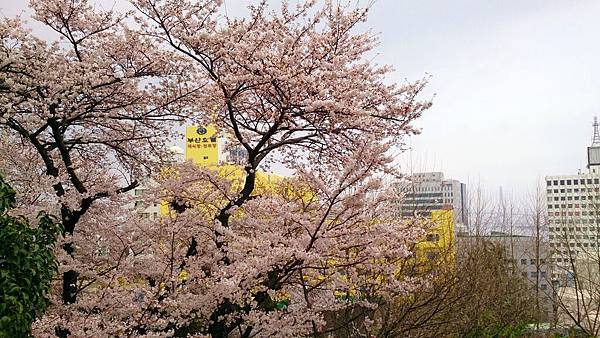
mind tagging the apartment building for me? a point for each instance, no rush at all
(573, 205)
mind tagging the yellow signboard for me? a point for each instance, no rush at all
(201, 146)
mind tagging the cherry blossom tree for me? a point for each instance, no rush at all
(83, 115)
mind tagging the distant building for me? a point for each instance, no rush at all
(573, 204)
(422, 193)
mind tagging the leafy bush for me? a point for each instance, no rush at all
(27, 263)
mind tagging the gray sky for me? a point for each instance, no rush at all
(516, 83)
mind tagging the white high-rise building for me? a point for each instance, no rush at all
(420, 193)
(573, 204)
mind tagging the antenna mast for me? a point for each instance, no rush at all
(596, 138)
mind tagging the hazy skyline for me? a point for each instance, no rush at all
(514, 83)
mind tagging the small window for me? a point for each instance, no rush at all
(431, 255)
(432, 237)
(523, 261)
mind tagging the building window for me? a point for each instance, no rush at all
(549, 183)
(562, 182)
(431, 255)
(568, 182)
(432, 237)
(523, 261)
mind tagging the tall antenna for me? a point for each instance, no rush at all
(596, 138)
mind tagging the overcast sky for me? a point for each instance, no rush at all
(516, 83)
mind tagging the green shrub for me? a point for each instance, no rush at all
(27, 264)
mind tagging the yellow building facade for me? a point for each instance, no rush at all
(438, 246)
